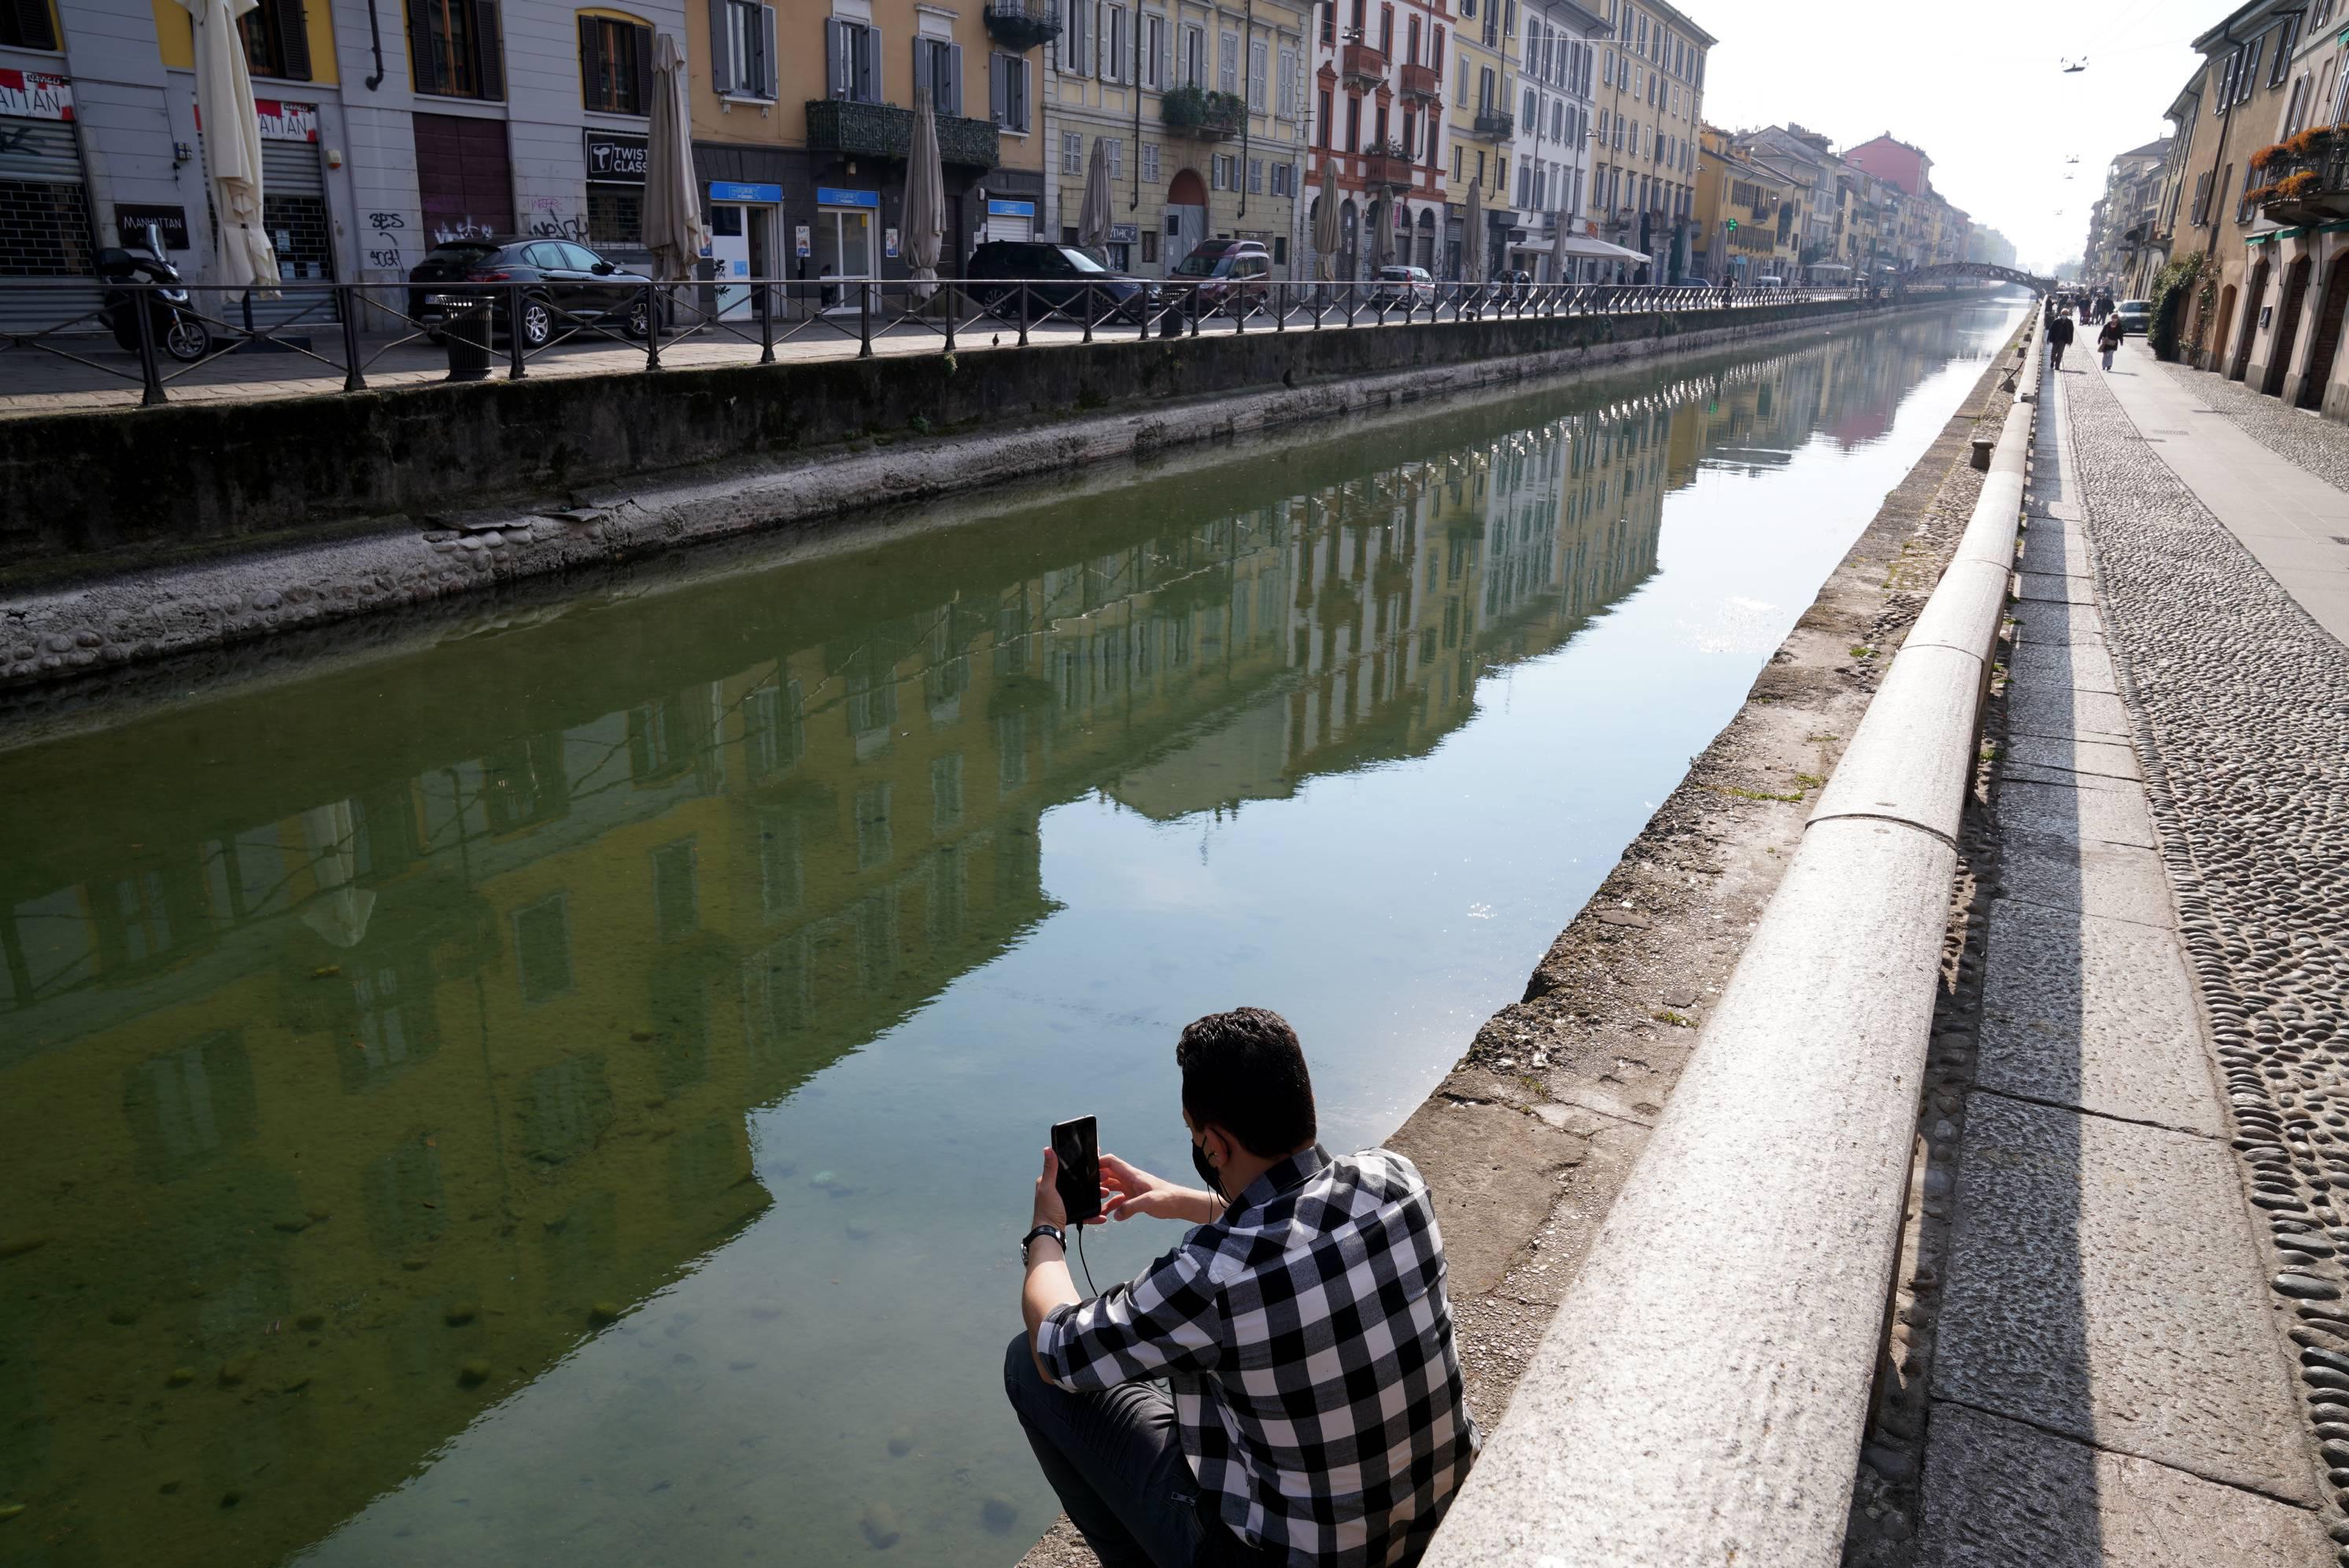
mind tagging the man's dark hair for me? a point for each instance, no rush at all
(1245, 1072)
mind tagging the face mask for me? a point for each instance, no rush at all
(1206, 1172)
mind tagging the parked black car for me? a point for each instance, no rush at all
(566, 284)
(1067, 277)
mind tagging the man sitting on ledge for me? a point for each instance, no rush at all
(1316, 1413)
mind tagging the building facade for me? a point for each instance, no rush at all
(1379, 144)
(1200, 109)
(1650, 107)
(1550, 153)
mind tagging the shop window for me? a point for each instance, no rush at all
(615, 64)
(454, 50)
(615, 217)
(277, 40)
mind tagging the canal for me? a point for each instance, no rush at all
(571, 1094)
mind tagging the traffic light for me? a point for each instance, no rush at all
(1733, 225)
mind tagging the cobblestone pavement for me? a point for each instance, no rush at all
(2233, 703)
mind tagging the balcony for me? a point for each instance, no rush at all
(1020, 25)
(1419, 82)
(1495, 124)
(1388, 165)
(2312, 187)
(1202, 116)
(1361, 65)
(884, 130)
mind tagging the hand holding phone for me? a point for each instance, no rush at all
(1076, 1145)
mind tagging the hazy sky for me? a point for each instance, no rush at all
(1981, 87)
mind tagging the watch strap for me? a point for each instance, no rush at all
(1052, 1230)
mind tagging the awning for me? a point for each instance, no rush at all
(1584, 245)
(1828, 267)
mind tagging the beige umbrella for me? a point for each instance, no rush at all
(673, 226)
(925, 198)
(1093, 217)
(1326, 235)
(1472, 233)
(1382, 227)
(232, 142)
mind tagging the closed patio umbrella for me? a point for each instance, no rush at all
(673, 230)
(1326, 235)
(1383, 228)
(1093, 217)
(232, 142)
(925, 198)
(1472, 234)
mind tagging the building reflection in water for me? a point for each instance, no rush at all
(371, 1043)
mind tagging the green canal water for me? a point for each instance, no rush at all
(570, 1095)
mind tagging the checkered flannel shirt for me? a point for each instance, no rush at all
(1308, 1341)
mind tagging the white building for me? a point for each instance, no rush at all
(1552, 148)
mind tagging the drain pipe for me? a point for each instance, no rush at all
(1247, 81)
(374, 41)
(1139, 33)
(1623, 1447)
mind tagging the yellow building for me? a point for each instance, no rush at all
(1483, 116)
(1746, 215)
(803, 122)
(1200, 110)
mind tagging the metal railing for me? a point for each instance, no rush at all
(357, 324)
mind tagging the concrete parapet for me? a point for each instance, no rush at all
(1768, 1199)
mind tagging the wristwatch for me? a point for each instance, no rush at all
(1052, 1230)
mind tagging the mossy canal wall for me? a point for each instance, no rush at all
(138, 533)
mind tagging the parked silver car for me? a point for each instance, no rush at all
(1403, 286)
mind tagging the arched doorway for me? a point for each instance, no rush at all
(2214, 354)
(1349, 241)
(1426, 257)
(2327, 344)
(1186, 215)
(2252, 294)
(2287, 332)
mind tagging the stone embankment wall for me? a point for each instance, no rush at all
(139, 534)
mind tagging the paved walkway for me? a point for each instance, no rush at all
(2114, 1379)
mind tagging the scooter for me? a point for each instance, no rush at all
(172, 319)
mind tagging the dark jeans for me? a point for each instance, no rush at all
(1114, 1459)
(2056, 351)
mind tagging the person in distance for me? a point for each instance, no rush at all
(1312, 1414)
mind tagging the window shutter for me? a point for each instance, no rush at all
(922, 73)
(423, 61)
(995, 88)
(591, 75)
(641, 102)
(33, 22)
(726, 72)
(293, 38)
(954, 79)
(868, 66)
(835, 55)
(766, 42)
(489, 48)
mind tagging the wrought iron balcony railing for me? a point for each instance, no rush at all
(1020, 25)
(1495, 124)
(2307, 188)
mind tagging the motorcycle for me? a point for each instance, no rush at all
(172, 319)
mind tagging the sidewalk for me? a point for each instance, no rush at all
(2113, 1381)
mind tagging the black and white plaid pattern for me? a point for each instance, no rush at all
(1309, 1344)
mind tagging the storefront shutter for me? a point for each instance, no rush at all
(491, 48)
(725, 70)
(766, 78)
(293, 38)
(50, 234)
(423, 59)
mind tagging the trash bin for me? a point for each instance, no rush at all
(466, 335)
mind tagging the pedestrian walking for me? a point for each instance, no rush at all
(2059, 337)
(2109, 339)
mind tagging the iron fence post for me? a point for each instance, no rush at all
(766, 324)
(515, 368)
(864, 321)
(354, 379)
(148, 371)
(1195, 308)
(1239, 309)
(1280, 306)
(652, 326)
(954, 311)
(1023, 316)
(1089, 312)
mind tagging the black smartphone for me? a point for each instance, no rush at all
(1078, 1145)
